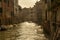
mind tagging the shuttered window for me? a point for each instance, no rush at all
(1, 10)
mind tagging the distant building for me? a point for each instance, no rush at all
(32, 15)
(28, 14)
(40, 8)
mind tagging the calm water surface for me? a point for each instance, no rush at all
(23, 31)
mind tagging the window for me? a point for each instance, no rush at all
(12, 13)
(52, 0)
(45, 1)
(0, 0)
(0, 21)
(6, 1)
(1, 10)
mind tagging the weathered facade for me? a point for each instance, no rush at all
(6, 11)
(16, 7)
(9, 11)
(40, 8)
(16, 12)
(55, 19)
(51, 24)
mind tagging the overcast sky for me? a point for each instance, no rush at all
(27, 3)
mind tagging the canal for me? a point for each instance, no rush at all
(23, 31)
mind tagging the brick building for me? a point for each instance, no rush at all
(51, 18)
(54, 11)
(6, 11)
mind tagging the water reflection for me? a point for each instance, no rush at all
(23, 31)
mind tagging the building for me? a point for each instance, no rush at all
(28, 14)
(16, 12)
(32, 16)
(16, 7)
(6, 11)
(38, 11)
(54, 11)
(41, 8)
(51, 19)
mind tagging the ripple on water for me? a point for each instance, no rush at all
(23, 31)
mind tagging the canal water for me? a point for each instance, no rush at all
(23, 31)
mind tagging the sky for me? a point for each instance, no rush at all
(27, 3)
